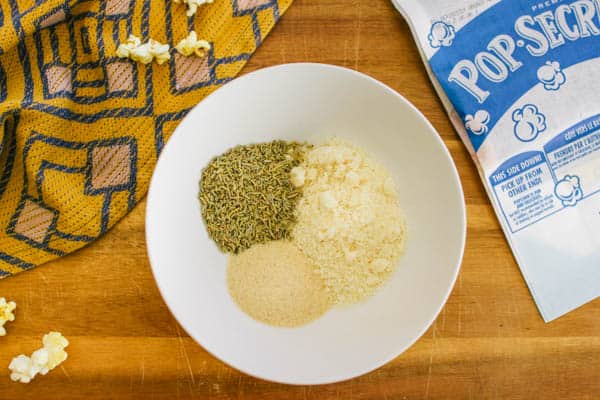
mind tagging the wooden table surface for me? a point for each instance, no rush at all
(488, 342)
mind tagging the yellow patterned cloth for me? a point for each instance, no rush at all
(80, 128)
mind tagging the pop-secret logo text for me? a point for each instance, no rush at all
(537, 34)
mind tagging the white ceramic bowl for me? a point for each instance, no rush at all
(307, 102)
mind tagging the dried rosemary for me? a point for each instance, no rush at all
(246, 194)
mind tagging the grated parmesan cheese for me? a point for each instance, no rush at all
(349, 221)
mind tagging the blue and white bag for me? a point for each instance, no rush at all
(520, 81)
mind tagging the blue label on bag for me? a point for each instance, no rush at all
(491, 62)
(534, 185)
(524, 188)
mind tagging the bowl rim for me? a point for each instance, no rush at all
(462, 211)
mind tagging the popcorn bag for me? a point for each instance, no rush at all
(520, 81)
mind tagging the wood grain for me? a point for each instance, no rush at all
(488, 343)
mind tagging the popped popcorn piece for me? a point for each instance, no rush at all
(191, 44)
(24, 369)
(193, 5)
(55, 340)
(40, 358)
(144, 53)
(55, 343)
(159, 51)
(124, 49)
(6, 313)
(141, 54)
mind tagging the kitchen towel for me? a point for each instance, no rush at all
(80, 128)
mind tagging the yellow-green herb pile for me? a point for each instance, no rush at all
(246, 195)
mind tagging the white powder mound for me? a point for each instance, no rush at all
(349, 221)
(276, 284)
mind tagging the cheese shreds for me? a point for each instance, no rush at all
(276, 284)
(349, 221)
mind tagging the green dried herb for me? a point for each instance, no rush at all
(246, 195)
